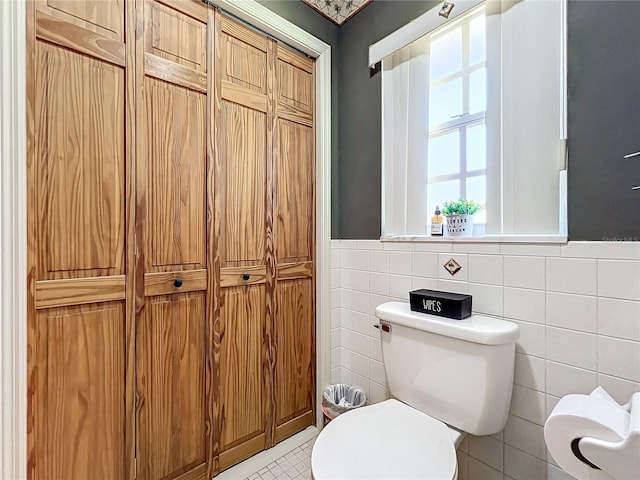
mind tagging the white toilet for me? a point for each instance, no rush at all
(447, 377)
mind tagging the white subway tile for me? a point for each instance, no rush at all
(335, 278)
(346, 259)
(424, 264)
(399, 286)
(620, 389)
(571, 347)
(487, 299)
(360, 280)
(346, 376)
(526, 249)
(346, 356)
(619, 318)
(556, 473)
(375, 348)
(336, 340)
(360, 381)
(479, 248)
(619, 279)
(335, 375)
(346, 279)
(481, 471)
(359, 259)
(609, 250)
(460, 275)
(524, 304)
(400, 263)
(564, 379)
(528, 404)
(335, 244)
(375, 300)
(360, 343)
(360, 322)
(486, 269)
(377, 393)
(524, 272)
(345, 338)
(453, 286)
(551, 403)
(463, 465)
(346, 298)
(335, 357)
(420, 282)
(376, 372)
(349, 244)
(531, 340)
(335, 258)
(379, 283)
(530, 372)
(526, 436)
(379, 261)
(433, 247)
(486, 449)
(360, 365)
(577, 312)
(398, 246)
(572, 275)
(346, 318)
(620, 358)
(522, 466)
(369, 244)
(335, 317)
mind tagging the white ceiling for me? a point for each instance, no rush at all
(338, 11)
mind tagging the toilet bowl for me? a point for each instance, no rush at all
(387, 440)
(446, 377)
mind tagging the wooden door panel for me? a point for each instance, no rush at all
(80, 392)
(241, 367)
(243, 57)
(294, 226)
(176, 164)
(244, 134)
(80, 145)
(295, 79)
(101, 16)
(177, 37)
(171, 350)
(294, 380)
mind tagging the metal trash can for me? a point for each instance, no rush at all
(341, 398)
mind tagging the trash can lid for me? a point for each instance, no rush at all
(388, 440)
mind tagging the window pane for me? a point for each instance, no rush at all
(444, 154)
(477, 49)
(438, 193)
(478, 91)
(446, 55)
(445, 102)
(477, 147)
(477, 190)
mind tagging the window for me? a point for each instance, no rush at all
(457, 163)
(473, 108)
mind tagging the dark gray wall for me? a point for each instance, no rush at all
(603, 117)
(359, 113)
(604, 120)
(306, 18)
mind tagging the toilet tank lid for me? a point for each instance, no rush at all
(476, 328)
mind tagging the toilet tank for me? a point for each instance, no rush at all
(458, 371)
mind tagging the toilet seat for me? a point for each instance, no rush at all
(388, 440)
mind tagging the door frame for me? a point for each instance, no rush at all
(273, 24)
(13, 241)
(13, 213)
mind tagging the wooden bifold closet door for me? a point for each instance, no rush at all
(171, 222)
(264, 323)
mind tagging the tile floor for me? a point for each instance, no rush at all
(295, 465)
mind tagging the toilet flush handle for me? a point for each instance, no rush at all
(384, 327)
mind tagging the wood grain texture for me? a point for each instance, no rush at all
(77, 291)
(176, 165)
(295, 166)
(171, 350)
(80, 145)
(100, 16)
(244, 149)
(234, 276)
(168, 71)
(174, 36)
(77, 38)
(243, 57)
(244, 380)
(163, 283)
(235, 94)
(295, 86)
(80, 391)
(290, 271)
(294, 335)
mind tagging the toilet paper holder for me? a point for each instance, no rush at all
(599, 458)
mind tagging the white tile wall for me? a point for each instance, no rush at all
(578, 307)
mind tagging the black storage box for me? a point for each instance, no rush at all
(442, 304)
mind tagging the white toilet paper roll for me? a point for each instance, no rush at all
(578, 416)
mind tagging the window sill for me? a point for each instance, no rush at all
(546, 239)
